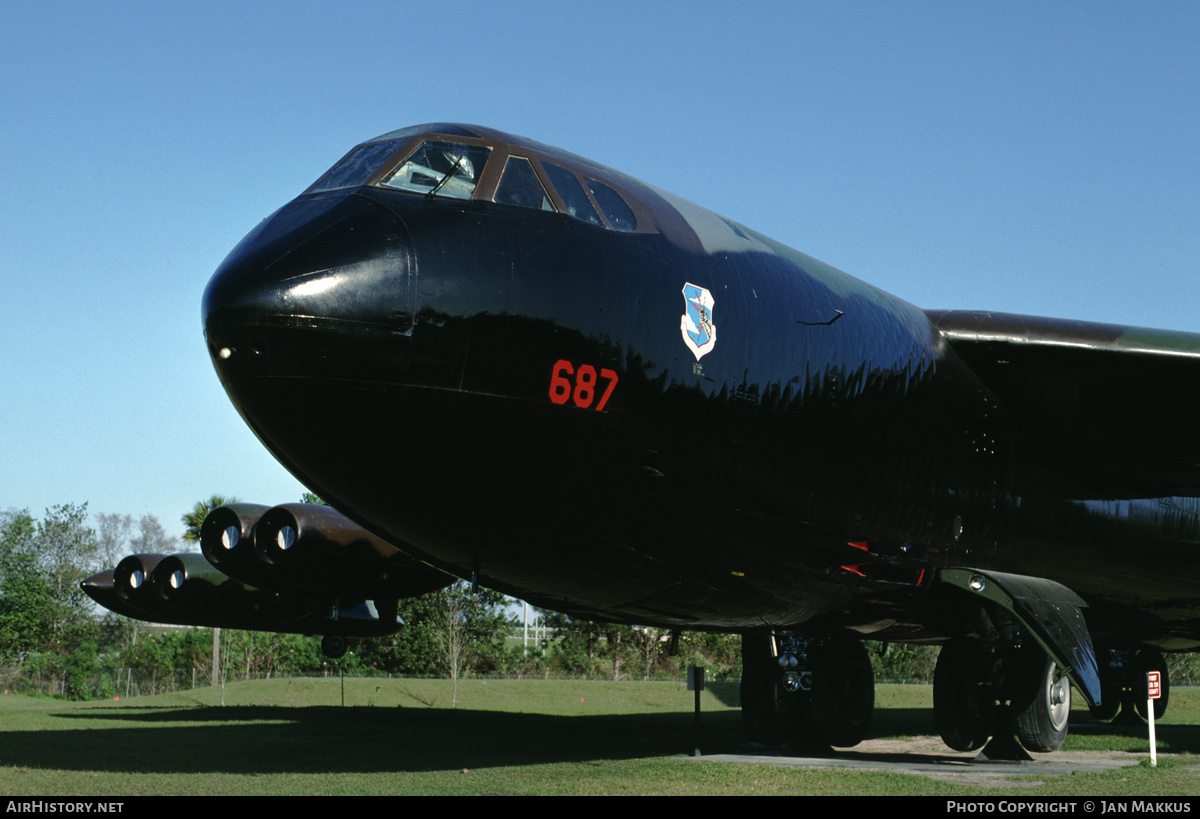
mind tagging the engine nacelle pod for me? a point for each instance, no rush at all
(184, 589)
(101, 587)
(188, 585)
(320, 549)
(310, 550)
(131, 574)
(227, 541)
(126, 590)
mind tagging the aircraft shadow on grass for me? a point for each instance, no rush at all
(267, 739)
(257, 739)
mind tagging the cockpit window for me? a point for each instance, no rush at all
(618, 213)
(450, 168)
(520, 186)
(578, 205)
(356, 167)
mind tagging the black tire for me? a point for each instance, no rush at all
(334, 646)
(962, 715)
(1150, 660)
(1043, 709)
(769, 712)
(843, 696)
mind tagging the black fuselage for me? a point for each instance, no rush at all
(506, 392)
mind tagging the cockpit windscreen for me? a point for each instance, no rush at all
(450, 169)
(356, 167)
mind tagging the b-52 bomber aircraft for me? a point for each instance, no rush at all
(504, 362)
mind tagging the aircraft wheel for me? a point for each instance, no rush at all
(770, 713)
(1110, 701)
(1042, 721)
(959, 708)
(1150, 660)
(334, 646)
(843, 697)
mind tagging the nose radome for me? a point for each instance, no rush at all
(338, 260)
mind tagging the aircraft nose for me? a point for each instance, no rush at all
(333, 263)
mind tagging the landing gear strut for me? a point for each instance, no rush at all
(818, 691)
(773, 705)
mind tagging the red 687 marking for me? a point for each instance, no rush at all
(582, 392)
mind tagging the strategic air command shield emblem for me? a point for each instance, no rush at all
(699, 332)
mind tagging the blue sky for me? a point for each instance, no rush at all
(1028, 157)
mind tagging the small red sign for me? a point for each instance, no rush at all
(1154, 684)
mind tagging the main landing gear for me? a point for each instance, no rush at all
(998, 679)
(820, 692)
(1007, 691)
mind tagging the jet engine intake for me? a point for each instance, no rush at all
(309, 549)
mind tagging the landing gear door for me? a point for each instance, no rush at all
(1050, 611)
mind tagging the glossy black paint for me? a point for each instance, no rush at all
(834, 450)
(311, 550)
(184, 589)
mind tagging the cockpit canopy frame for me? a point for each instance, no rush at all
(444, 159)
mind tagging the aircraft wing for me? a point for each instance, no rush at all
(1104, 411)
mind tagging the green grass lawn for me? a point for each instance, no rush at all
(293, 737)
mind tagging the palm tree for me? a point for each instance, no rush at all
(194, 519)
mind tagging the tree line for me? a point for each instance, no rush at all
(50, 629)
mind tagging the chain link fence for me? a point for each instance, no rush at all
(908, 665)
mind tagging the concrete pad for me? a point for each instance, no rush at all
(916, 757)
